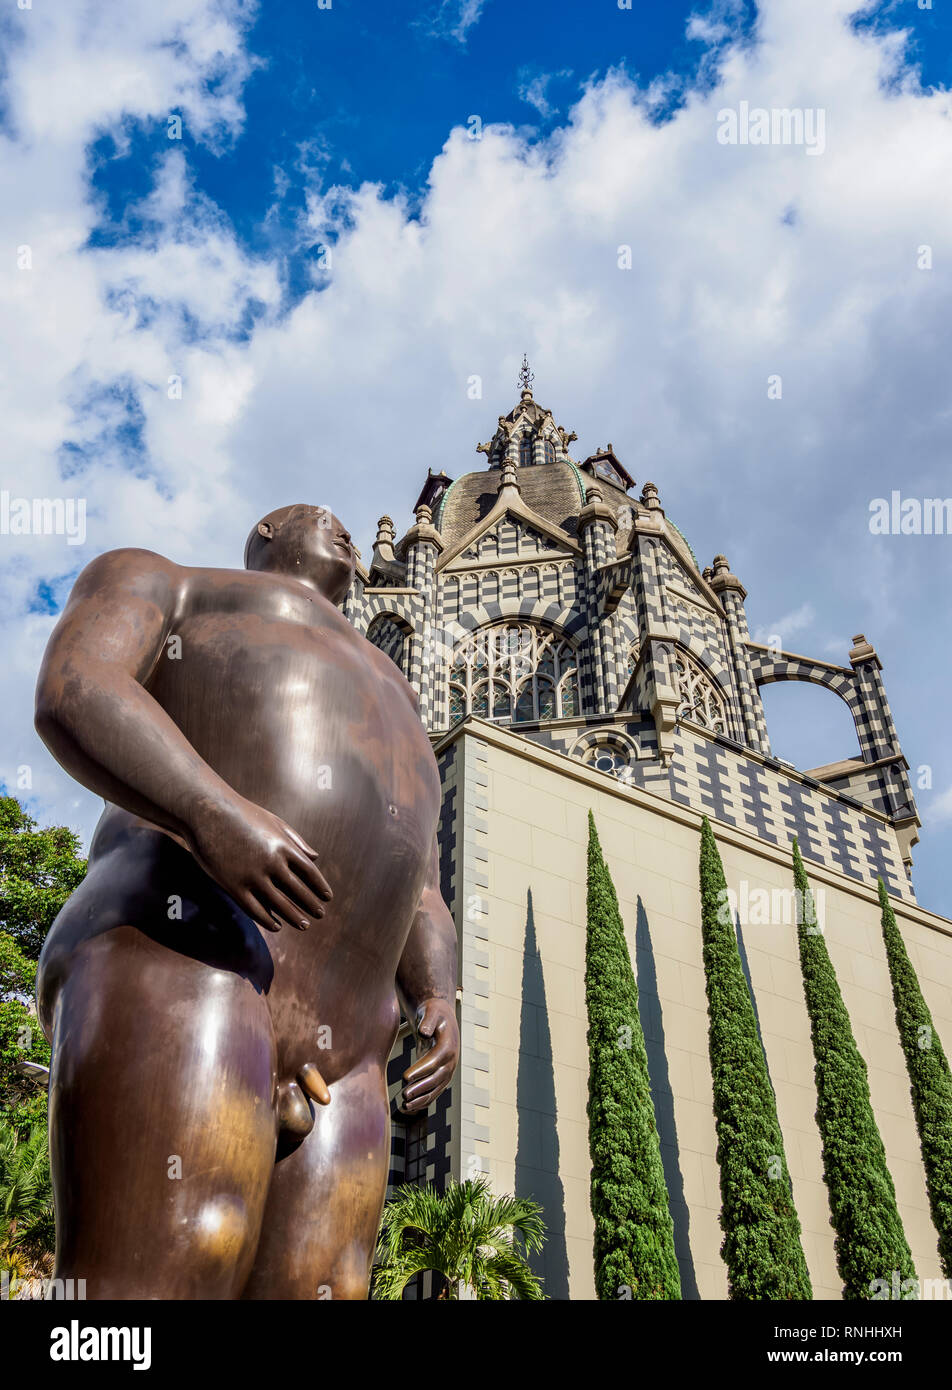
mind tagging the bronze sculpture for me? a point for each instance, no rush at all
(218, 1104)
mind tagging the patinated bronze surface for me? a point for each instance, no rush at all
(221, 992)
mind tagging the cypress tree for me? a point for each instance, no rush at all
(870, 1241)
(634, 1235)
(930, 1082)
(761, 1245)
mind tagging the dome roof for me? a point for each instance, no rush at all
(554, 490)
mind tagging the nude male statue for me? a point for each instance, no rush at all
(221, 992)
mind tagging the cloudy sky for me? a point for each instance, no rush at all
(370, 204)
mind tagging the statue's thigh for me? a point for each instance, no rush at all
(323, 1213)
(162, 1121)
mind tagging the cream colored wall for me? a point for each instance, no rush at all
(536, 839)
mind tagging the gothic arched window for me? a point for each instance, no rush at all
(701, 701)
(525, 451)
(548, 452)
(514, 672)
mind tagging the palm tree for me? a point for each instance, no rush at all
(27, 1231)
(465, 1234)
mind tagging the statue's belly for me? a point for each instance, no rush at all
(310, 730)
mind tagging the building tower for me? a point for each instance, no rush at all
(569, 652)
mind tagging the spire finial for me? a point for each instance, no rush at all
(526, 378)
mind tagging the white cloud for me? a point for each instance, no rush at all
(114, 61)
(940, 807)
(533, 89)
(718, 23)
(746, 262)
(453, 19)
(782, 631)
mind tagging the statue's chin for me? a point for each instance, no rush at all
(334, 589)
(331, 579)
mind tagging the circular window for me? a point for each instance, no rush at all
(611, 757)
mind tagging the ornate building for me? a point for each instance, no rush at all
(568, 650)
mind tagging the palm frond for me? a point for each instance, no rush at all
(466, 1234)
(26, 1199)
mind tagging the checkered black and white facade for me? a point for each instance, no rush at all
(666, 685)
(601, 638)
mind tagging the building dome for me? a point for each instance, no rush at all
(554, 490)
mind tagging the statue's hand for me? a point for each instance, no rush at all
(264, 865)
(428, 1078)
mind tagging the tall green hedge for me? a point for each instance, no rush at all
(634, 1236)
(761, 1245)
(930, 1082)
(870, 1241)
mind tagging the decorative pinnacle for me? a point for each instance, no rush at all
(863, 651)
(722, 580)
(526, 378)
(508, 478)
(385, 531)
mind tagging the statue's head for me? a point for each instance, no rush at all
(308, 543)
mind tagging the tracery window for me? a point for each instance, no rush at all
(525, 451)
(548, 451)
(701, 702)
(610, 757)
(514, 672)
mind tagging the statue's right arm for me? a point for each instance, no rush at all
(92, 709)
(99, 721)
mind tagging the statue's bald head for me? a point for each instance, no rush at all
(307, 543)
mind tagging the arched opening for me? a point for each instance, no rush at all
(809, 725)
(388, 636)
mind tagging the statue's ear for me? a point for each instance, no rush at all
(266, 530)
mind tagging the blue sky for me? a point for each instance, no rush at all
(348, 128)
(370, 92)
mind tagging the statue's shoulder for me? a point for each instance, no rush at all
(129, 569)
(134, 558)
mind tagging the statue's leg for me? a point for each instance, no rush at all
(162, 1121)
(326, 1198)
